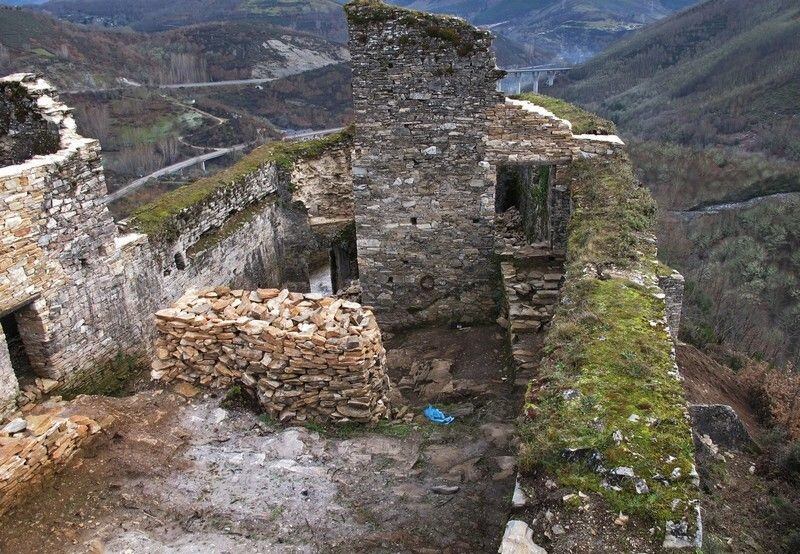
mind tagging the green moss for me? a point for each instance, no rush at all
(155, 218)
(613, 216)
(460, 34)
(583, 122)
(106, 379)
(606, 345)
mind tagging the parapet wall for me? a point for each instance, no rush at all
(305, 356)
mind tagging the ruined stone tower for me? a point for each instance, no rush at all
(423, 190)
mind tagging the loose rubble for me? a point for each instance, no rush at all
(39, 444)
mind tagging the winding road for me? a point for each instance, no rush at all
(711, 209)
(133, 185)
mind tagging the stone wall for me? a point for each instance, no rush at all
(57, 270)
(305, 356)
(325, 184)
(24, 133)
(81, 293)
(36, 446)
(673, 285)
(431, 133)
(424, 194)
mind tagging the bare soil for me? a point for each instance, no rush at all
(185, 475)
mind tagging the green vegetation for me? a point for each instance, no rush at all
(108, 379)
(612, 217)
(583, 122)
(603, 346)
(154, 218)
(716, 74)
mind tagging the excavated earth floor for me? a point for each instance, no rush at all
(180, 474)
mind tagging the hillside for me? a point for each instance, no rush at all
(708, 100)
(723, 72)
(77, 56)
(321, 17)
(571, 30)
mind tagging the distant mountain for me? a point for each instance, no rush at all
(76, 56)
(573, 30)
(323, 18)
(724, 72)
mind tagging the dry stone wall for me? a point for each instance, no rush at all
(305, 356)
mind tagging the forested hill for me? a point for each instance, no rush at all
(723, 72)
(708, 103)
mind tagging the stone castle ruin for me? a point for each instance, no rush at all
(447, 201)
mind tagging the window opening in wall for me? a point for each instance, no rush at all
(320, 276)
(180, 260)
(413, 221)
(20, 360)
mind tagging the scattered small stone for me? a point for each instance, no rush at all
(633, 418)
(617, 436)
(641, 486)
(187, 389)
(445, 489)
(621, 520)
(558, 529)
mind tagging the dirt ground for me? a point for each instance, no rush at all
(746, 507)
(186, 475)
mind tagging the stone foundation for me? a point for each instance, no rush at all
(305, 356)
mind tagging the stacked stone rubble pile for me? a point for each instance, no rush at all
(306, 356)
(38, 445)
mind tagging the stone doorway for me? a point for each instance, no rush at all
(524, 189)
(23, 331)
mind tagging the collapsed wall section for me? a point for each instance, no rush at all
(305, 356)
(423, 191)
(35, 447)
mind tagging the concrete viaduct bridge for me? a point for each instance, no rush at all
(521, 77)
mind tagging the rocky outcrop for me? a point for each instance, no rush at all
(305, 356)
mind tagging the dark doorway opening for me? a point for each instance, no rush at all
(20, 361)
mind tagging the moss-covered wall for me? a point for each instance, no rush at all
(606, 412)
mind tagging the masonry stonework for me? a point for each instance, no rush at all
(424, 194)
(305, 356)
